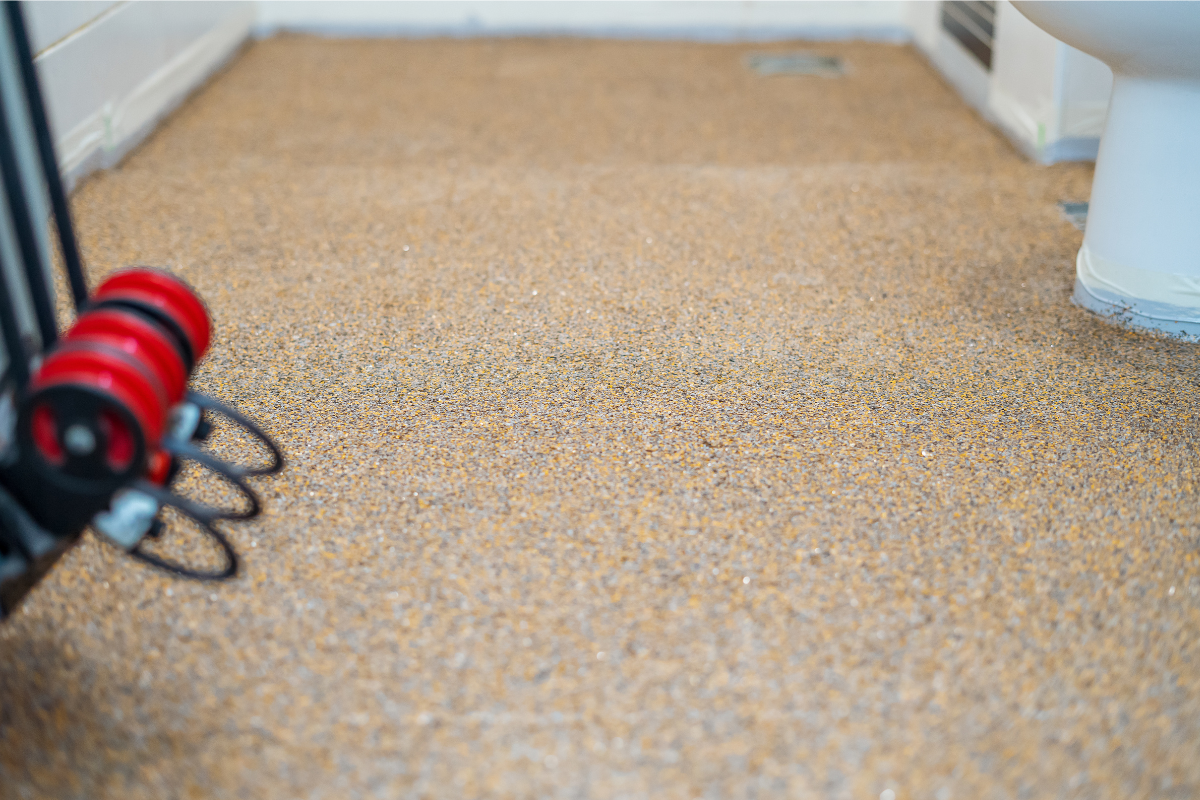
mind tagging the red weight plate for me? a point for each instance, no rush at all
(140, 338)
(121, 446)
(112, 372)
(45, 435)
(187, 325)
(165, 292)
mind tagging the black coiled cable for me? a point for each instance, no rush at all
(207, 516)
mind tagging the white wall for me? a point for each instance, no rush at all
(50, 22)
(923, 22)
(1049, 98)
(960, 68)
(708, 20)
(1024, 79)
(111, 71)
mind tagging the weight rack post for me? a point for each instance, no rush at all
(68, 244)
(18, 359)
(18, 210)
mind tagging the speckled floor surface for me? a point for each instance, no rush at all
(657, 430)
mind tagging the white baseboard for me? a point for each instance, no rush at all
(960, 69)
(112, 116)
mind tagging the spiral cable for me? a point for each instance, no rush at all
(232, 474)
(212, 404)
(197, 514)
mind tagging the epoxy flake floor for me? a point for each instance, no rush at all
(657, 429)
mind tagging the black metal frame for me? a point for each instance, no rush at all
(68, 244)
(17, 348)
(45, 507)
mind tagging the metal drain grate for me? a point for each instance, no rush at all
(1074, 213)
(796, 64)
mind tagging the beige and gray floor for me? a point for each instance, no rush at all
(656, 429)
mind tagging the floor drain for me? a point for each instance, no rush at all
(796, 64)
(1074, 213)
